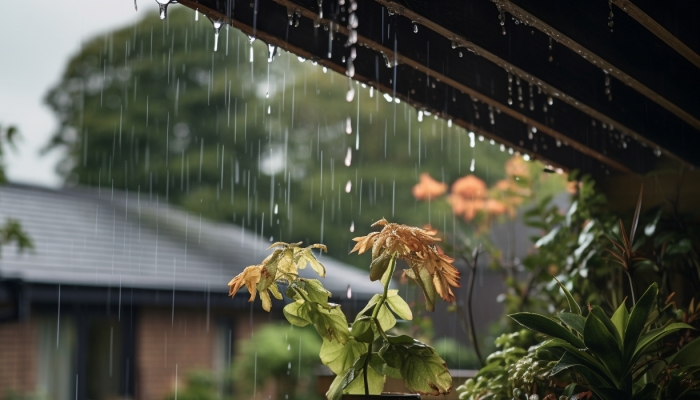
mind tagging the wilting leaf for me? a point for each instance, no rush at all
(422, 369)
(339, 357)
(379, 266)
(297, 313)
(330, 324)
(425, 281)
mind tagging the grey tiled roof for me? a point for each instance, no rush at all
(86, 236)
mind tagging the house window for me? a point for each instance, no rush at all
(56, 358)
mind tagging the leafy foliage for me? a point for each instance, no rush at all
(349, 351)
(12, 230)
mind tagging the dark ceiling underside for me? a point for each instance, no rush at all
(453, 59)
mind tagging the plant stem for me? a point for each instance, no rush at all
(375, 313)
(470, 293)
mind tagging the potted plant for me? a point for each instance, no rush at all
(364, 354)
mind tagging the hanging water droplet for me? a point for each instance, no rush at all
(276, 209)
(289, 347)
(271, 52)
(251, 39)
(325, 70)
(471, 167)
(657, 152)
(348, 126)
(550, 101)
(454, 44)
(510, 101)
(348, 157)
(289, 365)
(350, 70)
(349, 292)
(267, 95)
(415, 28)
(320, 8)
(268, 110)
(420, 116)
(371, 92)
(163, 5)
(348, 187)
(196, 14)
(449, 123)
(301, 59)
(251, 53)
(460, 54)
(217, 28)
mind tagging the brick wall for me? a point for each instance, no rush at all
(162, 346)
(18, 344)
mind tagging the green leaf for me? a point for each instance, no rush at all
(379, 266)
(592, 375)
(423, 370)
(603, 345)
(542, 324)
(656, 335)
(581, 357)
(316, 292)
(297, 313)
(687, 356)
(573, 321)
(573, 305)
(335, 391)
(648, 392)
(385, 318)
(620, 319)
(339, 357)
(362, 330)
(330, 324)
(375, 380)
(548, 238)
(637, 320)
(398, 305)
(386, 276)
(600, 314)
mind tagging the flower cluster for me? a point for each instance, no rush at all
(429, 267)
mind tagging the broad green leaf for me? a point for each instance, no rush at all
(581, 357)
(308, 256)
(648, 392)
(362, 330)
(573, 321)
(375, 380)
(620, 319)
(371, 303)
(386, 276)
(688, 355)
(297, 313)
(316, 292)
(398, 305)
(569, 360)
(542, 324)
(573, 306)
(379, 266)
(657, 334)
(330, 324)
(600, 314)
(335, 391)
(401, 339)
(385, 318)
(425, 281)
(637, 320)
(339, 357)
(602, 344)
(424, 371)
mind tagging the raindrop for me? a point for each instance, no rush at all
(320, 8)
(415, 28)
(550, 101)
(325, 70)
(449, 123)
(387, 97)
(371, 92)
(420, 116)
(289, 347)
(251, 53)
(454, 44)
(276, 209)
(349, 292)
(196, 14)
(271, 52)
(348, 187)
(251, 39)
(348, 126)
(471, 167)
(350, 95)
(460, 54)
(136, 6)
(350, 70)
(268, 110)
(348, 157)
(301, 59)
(657, 152)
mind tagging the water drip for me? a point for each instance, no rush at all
(271, 52)
(320, 8)
(348, 126)
(550, 101)
(163, 5)
(301, 59)
(348, 186)
(348, 157)
(415, 28)
(251, 39)
(349, 292)
(136, 6)
(350, 95)
(217, 24)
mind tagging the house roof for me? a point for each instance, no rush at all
(99, 237)
(604, 88)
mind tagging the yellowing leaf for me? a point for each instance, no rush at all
(339, 357)
(398, 305)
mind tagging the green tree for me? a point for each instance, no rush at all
(151, 108)
(11, 231)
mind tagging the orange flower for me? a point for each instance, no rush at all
(517, 166)
(428, 188)
(495, 207)
(469, 187)
(465, 207)
(432, 270)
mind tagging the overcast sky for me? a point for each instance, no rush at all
(36, 41)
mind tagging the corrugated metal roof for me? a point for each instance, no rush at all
(93, 237)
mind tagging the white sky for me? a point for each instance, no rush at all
(36, 41)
